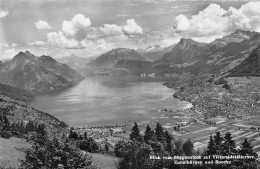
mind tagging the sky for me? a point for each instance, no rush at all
(89, 28)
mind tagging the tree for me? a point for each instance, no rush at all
(178, 147)
(229, 145)
(39, 137)
(85, 135)
(22, 127)
(159, 132)
(4, 122)
(73, 135)
(30, 127)
(246, 149)
(218, 139)
(88, 145)
(121, 148)
(53, 154)
(106, 146)
(135, 133)
(168, 139)
(135, 158)
(148, 134)
(211, 149)
(188, 147)
(5, 126)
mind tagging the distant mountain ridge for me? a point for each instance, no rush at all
(154, 52)
(75, 62)
(186, 51)
(237, 36)
(37, 74)
(110, 58)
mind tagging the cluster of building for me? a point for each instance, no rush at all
(99, 132)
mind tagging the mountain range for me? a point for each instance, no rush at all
(154, 52)
(219, 56)
(188, 56)
(44, 74)
(37, 74)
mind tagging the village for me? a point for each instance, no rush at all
(188, 123)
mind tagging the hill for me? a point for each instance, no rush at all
(135, 66)
(15, 93)
(110, 58)
(249, 67)
(37, 74)
(106, 64)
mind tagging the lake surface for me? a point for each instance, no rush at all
(107, 100)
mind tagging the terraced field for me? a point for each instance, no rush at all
(239, 131)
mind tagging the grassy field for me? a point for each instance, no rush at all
(104, 161)
(11, 150)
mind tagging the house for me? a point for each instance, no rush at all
(115, 131)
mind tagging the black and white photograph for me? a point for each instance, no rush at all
(129, 84)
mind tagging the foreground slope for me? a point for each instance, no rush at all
(18, 111)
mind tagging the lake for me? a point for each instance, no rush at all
(109, 100)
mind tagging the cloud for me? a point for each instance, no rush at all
(9, 53)
(163, 38)
(182, 23)
(77, 34)
(111, 29)
(3, 14)
(131, 28)
(78, 23)
(99, 44)
(214, 20)
(42, 25)
(14, 44)
(36, 43)
(4, 45)
(59, 39)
